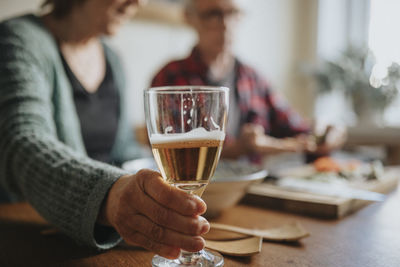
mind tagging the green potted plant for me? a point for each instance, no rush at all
(352, 74)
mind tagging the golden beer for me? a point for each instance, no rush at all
(188, 164)
(186, 129)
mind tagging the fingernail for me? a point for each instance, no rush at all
(197, 244)
(172, 253)
(201, 206)
(195, 205)
(205, 227)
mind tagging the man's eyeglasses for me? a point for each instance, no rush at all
(215, 16)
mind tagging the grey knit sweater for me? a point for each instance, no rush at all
(42, 157)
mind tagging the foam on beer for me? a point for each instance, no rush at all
(196, 134)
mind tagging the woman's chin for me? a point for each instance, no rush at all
(112, 28)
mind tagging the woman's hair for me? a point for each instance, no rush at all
(61, 8)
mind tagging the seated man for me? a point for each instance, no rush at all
(259, 122)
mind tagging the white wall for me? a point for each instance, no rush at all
(10, 8)
(144, 48)
(264, 39)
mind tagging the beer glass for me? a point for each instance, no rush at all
(186, 128)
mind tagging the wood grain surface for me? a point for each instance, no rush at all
(369, 237)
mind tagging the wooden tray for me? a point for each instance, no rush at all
(271, 196)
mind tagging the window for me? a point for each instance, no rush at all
(360, 23)
(384, 37)
(384, 41)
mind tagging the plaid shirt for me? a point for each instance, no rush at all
(257, 103)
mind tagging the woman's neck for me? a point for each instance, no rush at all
(70, 29)
(81, 48)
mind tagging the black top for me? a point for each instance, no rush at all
(98, 113)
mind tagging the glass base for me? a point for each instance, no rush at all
(203, 258)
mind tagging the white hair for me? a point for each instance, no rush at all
(190, 6)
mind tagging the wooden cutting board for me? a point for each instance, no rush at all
(272, 196)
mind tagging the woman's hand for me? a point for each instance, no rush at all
(148, 212)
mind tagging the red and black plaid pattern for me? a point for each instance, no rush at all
(257, 103)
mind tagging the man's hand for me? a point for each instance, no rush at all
(333, 138)
(255, 140)
(149, 213)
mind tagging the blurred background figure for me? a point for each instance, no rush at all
(259, 121)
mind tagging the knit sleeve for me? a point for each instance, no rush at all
(64, 186)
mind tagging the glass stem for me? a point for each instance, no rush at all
(188, 257)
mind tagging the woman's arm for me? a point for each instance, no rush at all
(66, 187)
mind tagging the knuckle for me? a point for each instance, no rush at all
(194, 227)
(157, 232)
(161, 216)
(164, 197)
(149, 179)
(140, 177)
(149, 244)
(142, 241)
(135, 223)
(145, 176)
(141, 173)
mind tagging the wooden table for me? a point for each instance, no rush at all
(370, 237)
